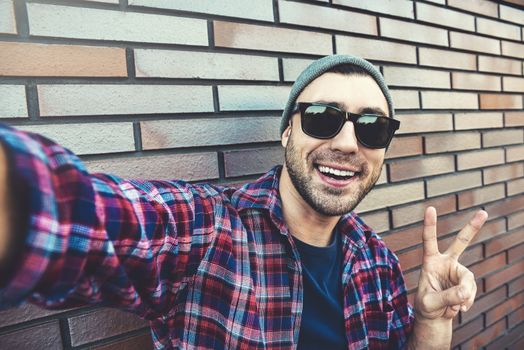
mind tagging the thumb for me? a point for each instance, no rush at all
(449, 297)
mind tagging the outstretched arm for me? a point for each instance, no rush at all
(97, 238)
(445, 286)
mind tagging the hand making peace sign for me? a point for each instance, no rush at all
(445, 286)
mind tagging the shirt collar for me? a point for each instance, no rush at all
(264, 194)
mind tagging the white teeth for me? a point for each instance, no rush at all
(328, 170)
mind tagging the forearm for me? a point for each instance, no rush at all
(431, 335)
(82, 238)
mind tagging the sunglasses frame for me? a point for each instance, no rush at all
(348, 116)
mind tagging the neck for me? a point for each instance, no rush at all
(304, 222)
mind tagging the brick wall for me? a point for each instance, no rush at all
(193, 90)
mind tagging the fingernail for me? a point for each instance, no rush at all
(463, 308)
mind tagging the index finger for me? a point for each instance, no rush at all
(466, 235)
(429, 235)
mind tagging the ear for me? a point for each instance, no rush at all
(285, 135)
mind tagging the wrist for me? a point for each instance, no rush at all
(434, 334)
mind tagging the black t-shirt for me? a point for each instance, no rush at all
(322, 325)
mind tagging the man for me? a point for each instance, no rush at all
(277, 264)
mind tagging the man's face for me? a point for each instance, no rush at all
(310, 162)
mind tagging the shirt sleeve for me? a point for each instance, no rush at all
(99, 238)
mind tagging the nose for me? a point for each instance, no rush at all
(346, 140)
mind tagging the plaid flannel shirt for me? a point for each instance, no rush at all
(210, 267)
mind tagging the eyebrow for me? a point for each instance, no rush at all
(364, 110)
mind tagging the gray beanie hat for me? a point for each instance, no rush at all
(319, 67)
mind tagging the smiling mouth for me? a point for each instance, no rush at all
(336, 174)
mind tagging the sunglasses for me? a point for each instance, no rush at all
(324, 121)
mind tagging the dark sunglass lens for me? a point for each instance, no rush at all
(321, 121)
(373, 131)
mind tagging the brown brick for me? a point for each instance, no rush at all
(23, 313)
(515, 187)
(465, 332)
(139, 342)
(471, 81)
(507, 338)
(453, 183)
(405, 238)
(412, 213)
(512, 49)
(454, 222)
(516, 253)
(449, 100)
(484, 303)
(392, 28)
(45, 336)
(484, 7)
(515, 220)
(326, 17)
(404, 146)
(504, 242)
(248, 36)
(405, 99)
(188, 167)
(516, 317)
(516, 286)
(514, 119)
(486, 336)
(383, 178)
(515, 153)
(477, 159)
(490, 229)
(206, 132)
(411, 279)
(18, 59)
(474, 43)
(410, 259)
(421, 167)
(502, 137)
(488, 265)
(472, 255)
(480, 196)
(497, 28)
(500, 101)
(506, 207)
(252, 161)
(379, 50)
(499, 65)
(446, 58)
(445, 17)
(414, 77)
(100, 324)
(513, 84)
(457, 141)
(502, 173)
(379, 221)
(478, 120)
(391, 195)
(518, 344)
(417, 123)
(510, 272)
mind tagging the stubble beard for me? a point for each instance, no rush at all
(326, 200)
